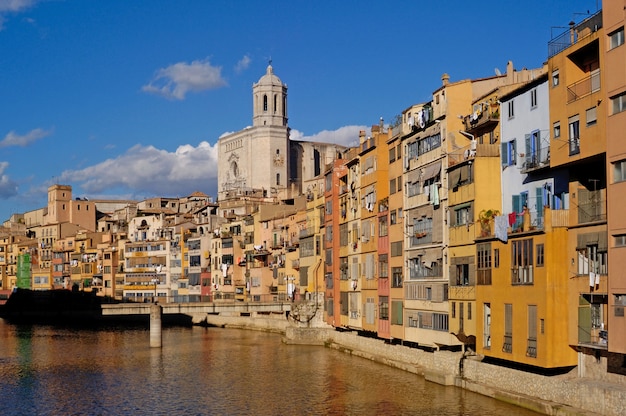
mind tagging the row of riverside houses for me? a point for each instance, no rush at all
(483, 219)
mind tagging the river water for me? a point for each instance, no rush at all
(48, 370)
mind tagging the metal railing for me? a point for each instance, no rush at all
(584, 87)
(574, 34)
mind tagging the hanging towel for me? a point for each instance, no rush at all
(501, 228)
(512, 218)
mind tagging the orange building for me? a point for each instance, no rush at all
(614, 80)
(578, 146)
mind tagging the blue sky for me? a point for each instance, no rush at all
(126, 99)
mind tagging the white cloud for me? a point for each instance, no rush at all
(13, 139)
(243, 64)
(345, 136)
(8, 187)
(13, 6)
(177, 80)
(147, 170)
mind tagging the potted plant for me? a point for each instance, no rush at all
(485, 217)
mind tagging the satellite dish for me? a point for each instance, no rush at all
(497, 71)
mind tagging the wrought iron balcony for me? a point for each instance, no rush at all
(538, 159)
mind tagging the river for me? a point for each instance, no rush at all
(47, 370)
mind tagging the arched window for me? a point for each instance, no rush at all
(275, 102)
(278, 179)
(265, 103)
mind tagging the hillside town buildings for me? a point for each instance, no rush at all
(485, 220)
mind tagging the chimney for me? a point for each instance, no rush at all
(361, 136)
(445, 79)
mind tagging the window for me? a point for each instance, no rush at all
(392, 186)
(508, 153)
(396, 275)
(453, 310)
(533, 98)
(399, 152)
(265, 103)
(330, 306)
(278, 179)
(556, 129)
(396, 249)
(393, 217)
(591, 116)
(383, 266)
(619, 240)
(555, 77)
(511, 109)
(487, 325)
(592, 261)
(462, 275)
(618, 103)
(383, 307)
(522, 262)
(343, 235)
(540, 255)
(383, 229)
(531, 348)
(574, 135)
(616, 38)
(619, 171)
(496, 257)
(507, 345)
(483, 263)
(392, 154)
(396, 312)
(461, 215)
(343, 303)
(469, 311)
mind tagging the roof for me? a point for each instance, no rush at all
(270, 78)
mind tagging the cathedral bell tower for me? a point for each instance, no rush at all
(269, 100)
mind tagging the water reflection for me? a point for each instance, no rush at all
(52, 371)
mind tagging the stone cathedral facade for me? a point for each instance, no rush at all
(261, 160)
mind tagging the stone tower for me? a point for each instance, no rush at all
(255, 160)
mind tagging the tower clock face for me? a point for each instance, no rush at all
(279, 160)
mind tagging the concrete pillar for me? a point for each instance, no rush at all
(156, 315)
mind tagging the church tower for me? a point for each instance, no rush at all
(270, 100)
(255, 160)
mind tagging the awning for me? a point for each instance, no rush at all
(431, 171)
(454, 178)
(587, 239)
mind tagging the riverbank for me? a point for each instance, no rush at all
(562, 395)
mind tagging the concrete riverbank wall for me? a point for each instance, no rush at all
(562, 395)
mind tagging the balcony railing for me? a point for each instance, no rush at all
(482, 120)
(574, 34)
(507, 345)
(537, 159)
(584, 87)
(592, 211)
(531, 348)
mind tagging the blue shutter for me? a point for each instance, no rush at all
(504, 147)
(539, 201)
(513, 153)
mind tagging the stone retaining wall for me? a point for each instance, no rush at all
(564, 395)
